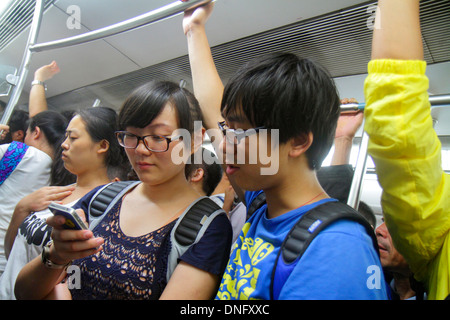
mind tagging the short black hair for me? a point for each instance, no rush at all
(54, 125)
(367, 212)
(147, 101)
(285, 92)
(19, 121)
(212, 170)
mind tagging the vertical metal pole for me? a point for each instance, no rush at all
(23, 71)
(358, 176)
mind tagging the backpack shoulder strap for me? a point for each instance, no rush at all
(314, 221)
(257, 203)
(304, 232)
(105, 198)
(189, 229)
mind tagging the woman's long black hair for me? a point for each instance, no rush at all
(53, 125)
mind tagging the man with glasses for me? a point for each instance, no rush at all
(297, 103)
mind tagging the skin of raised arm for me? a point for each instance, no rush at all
(4, 129)
(208, 87)
(37, 99)
(346, 129)
(397, 33)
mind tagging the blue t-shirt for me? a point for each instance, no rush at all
(340, 263)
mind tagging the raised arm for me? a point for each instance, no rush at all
(208, 87)
(37, 99)
(405, 148)
(397, 31)
(347, 126)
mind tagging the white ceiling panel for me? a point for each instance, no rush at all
(164, 40)
(81, 65)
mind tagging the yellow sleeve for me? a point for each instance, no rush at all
(407, 155)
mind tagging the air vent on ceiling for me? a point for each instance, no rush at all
(16, 18)
(341, 41)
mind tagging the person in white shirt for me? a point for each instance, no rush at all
(27, 167)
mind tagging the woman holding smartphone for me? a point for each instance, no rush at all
(125, 257)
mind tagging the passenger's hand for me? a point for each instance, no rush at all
(4, 129)
(69, 245)
(46, 72)
(348, 124)
(228, 200)
(40, 199)
(348, 100)
(197, 16)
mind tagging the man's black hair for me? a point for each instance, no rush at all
(285, 92)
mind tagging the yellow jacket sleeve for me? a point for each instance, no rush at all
(407, 155)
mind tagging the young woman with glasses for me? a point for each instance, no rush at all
(125, 256)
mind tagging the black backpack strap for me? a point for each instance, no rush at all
(309, 226)
(257, 203)
(105, 198)
(190, 227)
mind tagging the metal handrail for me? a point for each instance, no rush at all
(23, 70)
(136, 22)
(435, 101)
(354, 195)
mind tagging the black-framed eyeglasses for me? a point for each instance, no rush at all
(235, 136)
(152, 142)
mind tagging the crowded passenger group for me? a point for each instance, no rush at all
(201, 225)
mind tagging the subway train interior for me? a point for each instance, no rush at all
(335, 33)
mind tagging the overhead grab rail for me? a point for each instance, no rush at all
(31, 46)
(136, 22)
(435, 101)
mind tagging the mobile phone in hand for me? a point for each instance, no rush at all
(73, 220)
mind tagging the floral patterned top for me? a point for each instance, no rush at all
(136, 267)
(126, 267)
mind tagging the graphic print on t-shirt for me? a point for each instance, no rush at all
(35, 230)
(243, 272)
